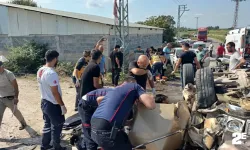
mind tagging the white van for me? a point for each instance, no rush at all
(241, 38)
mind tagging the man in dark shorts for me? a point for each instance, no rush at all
(91, 75)
(187, 57)
(86, 108)
(116, 66)
(141, 71)
(111, 115)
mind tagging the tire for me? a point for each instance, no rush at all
(205, 88)
(188, 74)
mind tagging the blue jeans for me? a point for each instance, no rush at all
(102, 137)
(157, 67)
(53, 123)
(86, 111)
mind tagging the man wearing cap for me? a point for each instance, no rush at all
(138, 52)
(116, 65)
(9, 95)
(111, 115)
(52, 106)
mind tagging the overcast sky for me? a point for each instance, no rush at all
(211, 12)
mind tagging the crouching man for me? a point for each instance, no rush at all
(86, 108)
(110, 117)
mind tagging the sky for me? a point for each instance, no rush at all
(210, 12)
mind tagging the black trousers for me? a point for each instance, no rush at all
(115, 76)
(53, 123)
(77, 92)
(86, 111)
(101, 135)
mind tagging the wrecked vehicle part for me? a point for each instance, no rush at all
(188, 74)
(206, 96)
(151, 124)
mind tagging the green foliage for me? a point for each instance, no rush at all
(109, 77)
(65, 68)
(24, 2)
(162, 21)
(27, 58)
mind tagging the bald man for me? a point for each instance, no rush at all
(141, 71)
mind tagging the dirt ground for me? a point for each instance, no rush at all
(29, 105)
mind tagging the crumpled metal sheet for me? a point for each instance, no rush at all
(151, 124)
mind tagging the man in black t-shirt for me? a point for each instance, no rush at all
(187, 57)
(116, 65)
(140, 70)
(91, 74)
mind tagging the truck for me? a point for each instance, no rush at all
(202, 34)
(241, 38)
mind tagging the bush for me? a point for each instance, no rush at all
(27, 58)
(65, 68)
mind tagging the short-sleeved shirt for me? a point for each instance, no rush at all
(102, 64)
(6, 88)
(220, 51)
(167, 52)
(120, 57)
(117, 104)
(187, 57)
(81, 63)
(201, 55)
(234, 60)
(141, 80)
(155, 58)
(47, 77)
(87, 82)
(113, 55)
(92, 96)
(138, 53)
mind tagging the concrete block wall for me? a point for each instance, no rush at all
(71, 47)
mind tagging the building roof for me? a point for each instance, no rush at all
(85, 17)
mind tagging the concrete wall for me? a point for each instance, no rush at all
(71, 47)
(21, 22)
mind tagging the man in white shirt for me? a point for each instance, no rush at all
(52, 104)
(211, 48)
(236, 60)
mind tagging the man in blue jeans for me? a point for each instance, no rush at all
(52, 104)
(86, 108)
(110, 117)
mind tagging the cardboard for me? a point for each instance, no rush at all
(151, 124)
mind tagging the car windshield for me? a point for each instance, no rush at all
(202, 33)
(195, 46)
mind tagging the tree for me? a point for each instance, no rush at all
(24, 2)
(162, 21)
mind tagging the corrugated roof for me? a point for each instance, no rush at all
(86, 17)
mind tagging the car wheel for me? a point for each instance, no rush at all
(205, 88)
(188, 74)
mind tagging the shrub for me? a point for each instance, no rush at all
(27, 58)
(65, 68)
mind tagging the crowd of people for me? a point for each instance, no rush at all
(104, 111)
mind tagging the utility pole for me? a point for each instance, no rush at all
(236, 12)
(197, 22)
(181, 10)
